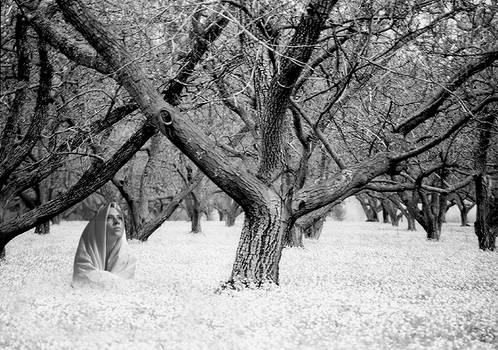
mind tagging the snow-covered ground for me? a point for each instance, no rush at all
(361, 286)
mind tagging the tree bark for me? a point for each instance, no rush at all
(293, 60)
(486, 224)
(263, 230)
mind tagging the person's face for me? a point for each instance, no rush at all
(115, 224)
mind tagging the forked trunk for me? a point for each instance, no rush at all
(260, 247)
(433, 230)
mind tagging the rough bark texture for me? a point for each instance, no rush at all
(294, 59)
(486, 224)
(262, 232)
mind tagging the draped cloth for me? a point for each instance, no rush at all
(92, 265)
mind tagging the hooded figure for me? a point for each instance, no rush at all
(103, 251)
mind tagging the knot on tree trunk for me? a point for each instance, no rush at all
(165, 118)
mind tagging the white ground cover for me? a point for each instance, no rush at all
(361, 286)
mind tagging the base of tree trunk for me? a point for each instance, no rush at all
(43, 229)
(230, 221)
(240, 285)
(411, 224)
(485, 237)
(434, 234)
(294, 238)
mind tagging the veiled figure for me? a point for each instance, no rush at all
(103, 253)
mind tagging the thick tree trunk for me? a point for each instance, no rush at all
(260, 247)
(221, 215)
(486, 224)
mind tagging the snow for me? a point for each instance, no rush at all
(361, 286)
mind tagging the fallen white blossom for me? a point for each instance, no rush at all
(361, 286)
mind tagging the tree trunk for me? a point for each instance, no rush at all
(433, 230)
(369, 211)
(260, 247)
(486, 224)
(411, 223)
(43, 228)
(221, 215)
(395, 220)
(385, 214)
(464, 220)
(230, 219)
(56, 220)
(294, 237)
(196, 217)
